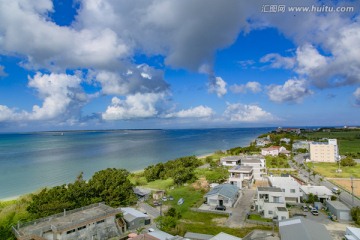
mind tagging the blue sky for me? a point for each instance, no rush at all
(101, 64)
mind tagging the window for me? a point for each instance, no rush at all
(71, 231)
(276, 199)
(283, 189)
(101, 221)
(83, 227)
(270, 212)
(292, 190)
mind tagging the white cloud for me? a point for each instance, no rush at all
(356, 94)
(278, 61)
(7, 114)
(293, 90)
(196, 112)
(61, 93)
(217, 85)
(134, 106)
(2, 71)
(309, 60)
(254, 87)
(247, 113)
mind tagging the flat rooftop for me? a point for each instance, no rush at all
(231, 158)
(269, 189)
(283, 181)
(241, 169)
(338, 205)
(69, 220)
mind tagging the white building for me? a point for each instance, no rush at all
(274, 151)
(222, 195)
(241, 176)
(230, 161)
(289, 186)
(257, 163)
(270, 202)
(324, 152)
(352, 233)
(322, 192)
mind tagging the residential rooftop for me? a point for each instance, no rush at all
(269, 189)
(338, 205)
(227, 190)
(282, 209)
(231, 159)
(130, 214)
(241, 169)
(198, 236)
(316, 190)
(283, 181)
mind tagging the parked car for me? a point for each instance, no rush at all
(164, 199)
(305, 208)
(151, 230)
(181, 201)
(220, 208)
(170, 198)
(335, 190)
(157, 203)
(314, 212)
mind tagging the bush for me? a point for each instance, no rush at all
(348, 161)
(355, 214)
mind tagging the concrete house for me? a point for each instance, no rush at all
(270, 202)
(135, 219)
(322, 192)
(340, 210)
(289, 186)
(274, 151)
(96, 221)
(352, 233)
(302, 229)
(222, 195)
(257, 163)
(230, 161)
(241, 176)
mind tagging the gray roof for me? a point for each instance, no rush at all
(231, 158)
(302, 229)
(269, 189)
(224, 236)
(250, 160)
(160, 235)
(338, 205)
(130, 214)
(226, 190)
(241, 168)
(197, 236)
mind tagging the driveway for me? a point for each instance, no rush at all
(239, 212)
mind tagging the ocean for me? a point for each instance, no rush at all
(31, 161)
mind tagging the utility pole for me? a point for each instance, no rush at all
(352, 189)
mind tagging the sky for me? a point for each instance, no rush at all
(119, 64)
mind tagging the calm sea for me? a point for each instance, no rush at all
(29, 162)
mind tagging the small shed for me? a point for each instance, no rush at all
(134, 218)
(157, 195)
(340, 210)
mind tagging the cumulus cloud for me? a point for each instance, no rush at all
(134, 106)
(238, 112)
(139, 79)
(254, 87)
(217, 85)
(356, 94)
(195, 112)
(277, 61)
(7, 114)
(293, 90)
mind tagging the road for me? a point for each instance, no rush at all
(344, 196)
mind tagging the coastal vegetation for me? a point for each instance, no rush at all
(251, 149)
(280, 161)
(329, 170)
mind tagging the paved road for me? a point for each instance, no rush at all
(238, 216)
(344, 196)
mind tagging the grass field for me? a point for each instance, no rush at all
(349, 141)
(257, 217)
(329, 170)
(346, 183)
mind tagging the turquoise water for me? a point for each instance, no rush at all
(29, 162)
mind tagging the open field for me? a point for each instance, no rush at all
(329, 170)
(346, 183)
(349, 141)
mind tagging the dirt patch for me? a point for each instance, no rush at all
(189, 221)
(346, 183)
(201, 183)
(261, 183)
(219, 221)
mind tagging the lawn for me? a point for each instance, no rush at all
(329, 170)
(276, 162)
(257, 217)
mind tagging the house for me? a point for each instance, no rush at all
(289, 186)
(274, 151)
(302, 229)
(197, 236)
(270, 202)
(222, 195)
(230, 161)
(285, 140)
(340, 210)
(157, 195)
(257, 163)
(241, 176)
(142, 193)
(224, 236)
(96, 221)
(301, 145)
(261, 142)
(352, 233)
(324, 151)
(322, 192)
(135, 219)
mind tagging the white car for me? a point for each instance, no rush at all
(164, 199)
(151, 230)
(181, 201)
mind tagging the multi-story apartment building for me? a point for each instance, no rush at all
(230, 161)
(257, 163)
(241, 176)
(324, 151)
(270, 202)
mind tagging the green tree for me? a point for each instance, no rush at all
(355, 214)
(348, 161)
(166, 223)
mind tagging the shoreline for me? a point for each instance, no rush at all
(12, 198)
